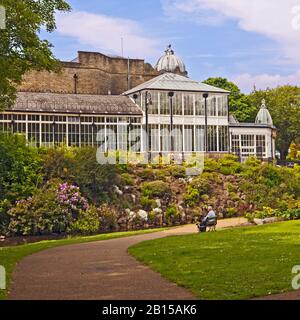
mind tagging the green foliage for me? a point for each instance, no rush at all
(51, 209)
(284, 106)
(127, 179)
(229, 165)
(21, 48)
(87, 222)
(266, 212)
(239, 103)
(199, 187)
(155, 189)
(147, 174)
(211, 165)
(147, 204)
(20, 167)
(231, 212)
(57, 163)
(294, 152)
(5, 205)
(172, 214)
(108, 218)
(94, 179)
(40, 214)
(177, 171)
(191, 196)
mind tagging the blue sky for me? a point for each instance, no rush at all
(249, 42)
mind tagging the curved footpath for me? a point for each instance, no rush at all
(100, 270)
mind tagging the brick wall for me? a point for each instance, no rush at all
(97, 74)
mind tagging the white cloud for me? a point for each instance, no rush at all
(247, 81)
(278, 20)
(104, 33)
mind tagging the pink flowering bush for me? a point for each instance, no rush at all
(53, 209)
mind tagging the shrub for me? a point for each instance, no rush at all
(155, 188)
(87, 222)
(126, 179)
(231, 212)
(229, 165)
(172, 214)
(94, 179)
(152, 217)
(202, 184)
(20, 168)
(191, 196)
(57, 163)
(108, 218)
(211, 165)
(177, 171)
(290, 214)
(161, 174)
(52, 209)
(147, 204)
(147, 174)
(5, 205)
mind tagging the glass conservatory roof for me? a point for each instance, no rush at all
(175, 82)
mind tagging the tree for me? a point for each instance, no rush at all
(239, 104)
(284, 106)
(21, 49)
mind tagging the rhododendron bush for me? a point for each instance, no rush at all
(53, 209)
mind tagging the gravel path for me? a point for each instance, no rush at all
(100, 270)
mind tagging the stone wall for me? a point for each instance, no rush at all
(96, 74)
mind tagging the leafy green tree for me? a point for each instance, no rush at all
(239, 104)
(284, 106)
(20, 167)
(21, 48)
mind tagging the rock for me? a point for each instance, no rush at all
(127, 189)
(127, 211)
(271, 220)
(132, 214)
(190, 180)
(117, 190)
(157, 211)
(122, 220)
(158, 203)
(258, 221)
(143, 215)
(2, 238)
(133, 196)
(180, 208)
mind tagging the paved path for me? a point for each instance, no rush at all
(97, 271)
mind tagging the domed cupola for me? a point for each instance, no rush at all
(170, 62)
(263, 116)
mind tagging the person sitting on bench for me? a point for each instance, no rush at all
(211, 219)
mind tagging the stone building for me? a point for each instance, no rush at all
(96, 73)
(126, 104)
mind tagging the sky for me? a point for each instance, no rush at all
(252, 43)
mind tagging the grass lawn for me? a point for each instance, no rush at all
(10, 256)
(238, 263)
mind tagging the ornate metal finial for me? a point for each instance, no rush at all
(263, 103)
(169, 49)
